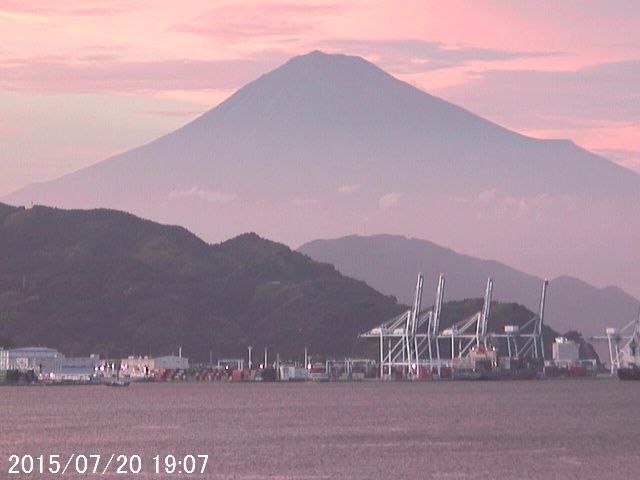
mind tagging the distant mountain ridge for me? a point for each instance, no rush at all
(390, 263)
(328, 145)
(107, 282)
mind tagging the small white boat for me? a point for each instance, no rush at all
(116, 383)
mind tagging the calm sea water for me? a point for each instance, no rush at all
(582, 429)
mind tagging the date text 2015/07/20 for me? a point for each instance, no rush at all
(99, 464)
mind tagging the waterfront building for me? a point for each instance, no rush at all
(151, 364)
(566, 361)
(39, 359)
(564, 350)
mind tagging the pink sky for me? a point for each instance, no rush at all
(80, 81)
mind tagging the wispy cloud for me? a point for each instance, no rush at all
(414, 56)
(349, 188)
(603, 92)
(487, 195)
(174, 113)
(389, 200)
(239, 22)
(305, 201)
(47, 8)
(205, 195)
(58, 74)
(533, 208)
(458, 198)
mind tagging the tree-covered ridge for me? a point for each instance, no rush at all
(108, 282)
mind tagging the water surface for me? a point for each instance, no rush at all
(583, 429)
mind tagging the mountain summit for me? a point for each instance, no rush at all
(330, 145)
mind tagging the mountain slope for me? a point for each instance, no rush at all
(327, 145)
(107, 282)
(390, 264)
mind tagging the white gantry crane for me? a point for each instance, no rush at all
(623, 349)
(527, 340)
(433, 327)
(411, 341)
(470, 333)
(408, 341)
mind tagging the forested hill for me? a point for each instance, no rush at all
(107, 282)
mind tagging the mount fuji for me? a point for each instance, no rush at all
(330, 145)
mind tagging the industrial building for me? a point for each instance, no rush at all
(151, 364)
(564, 350)
(39, 359)
(52, 366)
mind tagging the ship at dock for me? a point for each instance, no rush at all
(485, 364)
(631, 368)
(629, 373)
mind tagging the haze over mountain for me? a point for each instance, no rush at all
(390, 264)
(330, 145)
(107, 282)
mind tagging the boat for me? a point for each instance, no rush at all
(139, 378)
(631, 372)
(511, 374)
(116, 382)
(483, 364)
(497, 374)
(466, 374)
